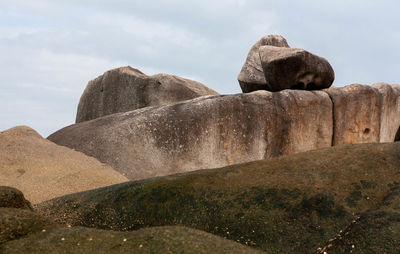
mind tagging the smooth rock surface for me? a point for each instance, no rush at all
(13, 198)
(205, 132)
(389, 111)
(290, 68)
(125, 89)
(291, 204)
(357, 114)
(251, 76)
(43, 170)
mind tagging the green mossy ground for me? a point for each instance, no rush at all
(148, 240)
(292, 204)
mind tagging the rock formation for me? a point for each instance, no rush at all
(289, 68)
(44, 170)
(251, 77)
(205, 132)
(326, 200)
(216, 131)
(125, 89)
(273, 66)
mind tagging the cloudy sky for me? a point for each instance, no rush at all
(50, 49)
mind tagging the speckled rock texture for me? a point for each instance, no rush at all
(216, 131)
(43, 170)
(205, 132)
(251, 76)
(290, 68)
(338, 199)
(13, 198)
(168, 239)
(125, 89)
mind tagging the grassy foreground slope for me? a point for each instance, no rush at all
(297, 203)
(169, 239)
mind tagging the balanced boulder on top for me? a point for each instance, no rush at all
(125, 89)
(251, 77)
(273, 66)
(290, 68)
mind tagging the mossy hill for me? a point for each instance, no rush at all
(148, 240)
(291, 204)
(25, 231)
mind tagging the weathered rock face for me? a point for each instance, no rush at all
(349, 193)
(13, 198)
(44, 170)
(205, 132)
(365, 114)
(215, 131)
(125, 89)
(357, 113)
(389, 112)
(289, 68)
(251, 77)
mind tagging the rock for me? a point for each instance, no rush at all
(43, 170)
(290, 204)
(251, 77)
(389, 112)
(290, 68)
(125, 89)
(205, 132)
(169, 239)
(13, 198)
(17, 223)
(357, 114)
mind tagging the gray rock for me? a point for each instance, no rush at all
(289, 68)
(205, 132)
(125, 89)
(251, 77)
(216, 131)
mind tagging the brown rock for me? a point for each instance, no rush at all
(205, 132)
(357, 114)
(251, 77)
(290, 68)
(43, 170)
(125, 89)
(13, 198)
(390, 111)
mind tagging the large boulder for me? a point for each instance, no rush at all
(43, 170)
(389, 112)
(217, 131)
(290, 68)
(365, 114)
(292, 204)
(125, 89)
(251, 76)
(205, 132)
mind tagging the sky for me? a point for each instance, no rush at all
(50, 49)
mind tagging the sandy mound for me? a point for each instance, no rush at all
(43, 170)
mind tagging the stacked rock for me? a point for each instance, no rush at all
(273, 66)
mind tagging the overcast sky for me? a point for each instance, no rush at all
(50, 49)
